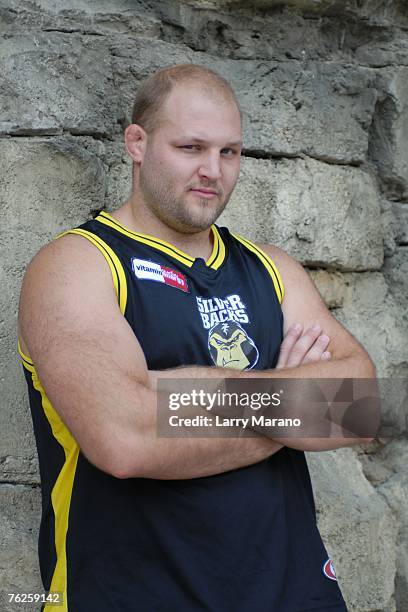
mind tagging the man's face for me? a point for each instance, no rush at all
(191, 163)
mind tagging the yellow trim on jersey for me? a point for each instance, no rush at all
(113, 261)
(156, 243)
(62, 490)
(268, 263)
(215, 260)
(27, 361)
(60, 495)
(218, 253)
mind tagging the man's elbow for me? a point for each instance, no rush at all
(122, 459)
(363, 441)
(370, 367)
(122, 469)
(117, 466)
(363, 366)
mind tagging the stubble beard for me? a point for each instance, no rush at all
(172, 210)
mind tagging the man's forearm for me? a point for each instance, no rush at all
(130, 445)
(185, 456)
(357, 365)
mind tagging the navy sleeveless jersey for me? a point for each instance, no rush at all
(242, 541)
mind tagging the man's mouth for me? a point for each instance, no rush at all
(205, 193)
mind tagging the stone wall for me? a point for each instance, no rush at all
(323, 86)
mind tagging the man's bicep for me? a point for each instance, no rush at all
(303, 304)
(85, 354)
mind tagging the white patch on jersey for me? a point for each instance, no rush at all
(216, 310)
(147, 270)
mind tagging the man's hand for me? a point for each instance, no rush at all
(298, 348)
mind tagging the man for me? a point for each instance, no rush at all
(133, 521)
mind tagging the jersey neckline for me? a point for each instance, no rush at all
(214, 261)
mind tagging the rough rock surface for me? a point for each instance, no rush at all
(352, 514)
(389, 135)
(19, 518)
(323, 89)
(46, 186)
(322, 214)
(300, 107)
(385, 467)
(383, 10)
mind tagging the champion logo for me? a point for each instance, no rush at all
(328, 570)
(149, 270)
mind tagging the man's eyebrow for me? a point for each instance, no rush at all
(199, 140)
(235, 143)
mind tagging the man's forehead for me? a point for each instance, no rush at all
(187, 97)
(194, 113)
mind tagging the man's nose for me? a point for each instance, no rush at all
(210, 167)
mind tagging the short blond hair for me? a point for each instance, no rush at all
(155, 90)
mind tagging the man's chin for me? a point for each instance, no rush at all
(198, 222)
(192, 226)
(192, 215)
(205, 212)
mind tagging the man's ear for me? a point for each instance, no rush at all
(135, 141)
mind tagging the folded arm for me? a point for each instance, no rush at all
(95, 374)
(315, 346)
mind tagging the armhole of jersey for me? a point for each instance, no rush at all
(268, 263)
(27, 362)
(113, 261)
(118, 277)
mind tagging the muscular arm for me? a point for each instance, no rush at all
(94, 373)
(303, 305)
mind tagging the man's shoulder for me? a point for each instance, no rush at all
(283, 261)
(276, 253)
(65, 273)
(65, 269)
(65, 250)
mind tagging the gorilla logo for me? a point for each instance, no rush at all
(231, 347)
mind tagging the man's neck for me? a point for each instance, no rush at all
(199, 244)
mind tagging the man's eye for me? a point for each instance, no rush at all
(228, 151)
(191, 147)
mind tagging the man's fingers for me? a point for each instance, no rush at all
(288, 343)
(301, 348)
(297, 349)
(317, 350)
